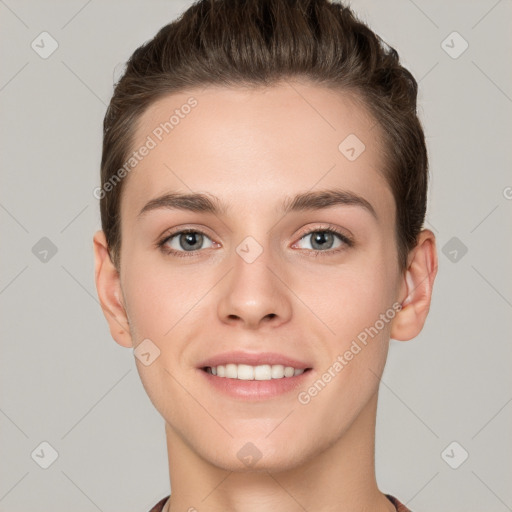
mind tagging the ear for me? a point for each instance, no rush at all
(108, 286)
(416, 288)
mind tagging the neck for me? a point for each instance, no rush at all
(340, 478)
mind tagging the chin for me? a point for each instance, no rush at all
(263, 466)
(260, 456)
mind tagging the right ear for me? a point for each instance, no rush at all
(108, 286)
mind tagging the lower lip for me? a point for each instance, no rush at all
(256, 389)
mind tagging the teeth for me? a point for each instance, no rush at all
(247, 372)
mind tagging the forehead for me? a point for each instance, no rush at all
(253, 146)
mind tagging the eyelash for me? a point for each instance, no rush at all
(322, 229)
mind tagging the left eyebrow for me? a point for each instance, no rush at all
(208, 203)
(322, 199)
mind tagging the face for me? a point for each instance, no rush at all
(272, 279)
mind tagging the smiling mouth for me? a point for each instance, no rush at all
(260, 372)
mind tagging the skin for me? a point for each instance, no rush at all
(251, 149)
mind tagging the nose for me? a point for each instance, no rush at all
(255, 294)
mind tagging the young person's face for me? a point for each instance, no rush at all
(260, 280)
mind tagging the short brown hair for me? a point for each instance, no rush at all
(260, 43)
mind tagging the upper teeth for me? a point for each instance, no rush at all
(247, 372)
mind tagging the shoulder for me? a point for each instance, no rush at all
(400, 507)
(160, 505)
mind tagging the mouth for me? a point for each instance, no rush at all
(255, 376)
(246, 372)
(247, 383)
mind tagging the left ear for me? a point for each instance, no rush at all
(416, 289)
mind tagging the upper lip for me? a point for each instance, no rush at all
(253, 359)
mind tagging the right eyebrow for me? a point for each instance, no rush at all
(196, 202)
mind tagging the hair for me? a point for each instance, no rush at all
(241, 43)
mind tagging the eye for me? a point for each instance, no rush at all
(182, 242)
(325, 239)
(188, 242)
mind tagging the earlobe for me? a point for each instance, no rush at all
(416, 291)
(109, 291)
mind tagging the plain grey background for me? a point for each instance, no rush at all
(65, 382)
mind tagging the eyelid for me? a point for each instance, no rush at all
(188, 228)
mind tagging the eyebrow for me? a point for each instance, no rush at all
(208, 203)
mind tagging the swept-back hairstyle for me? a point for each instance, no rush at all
(249, 43)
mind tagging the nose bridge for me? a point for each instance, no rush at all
(251, 263)
(253, 293)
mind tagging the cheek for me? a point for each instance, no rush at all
(356, 347)
(348, 298)
(159, 295)
(160, 304)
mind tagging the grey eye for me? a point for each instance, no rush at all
(322, 240)
(186, 241)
